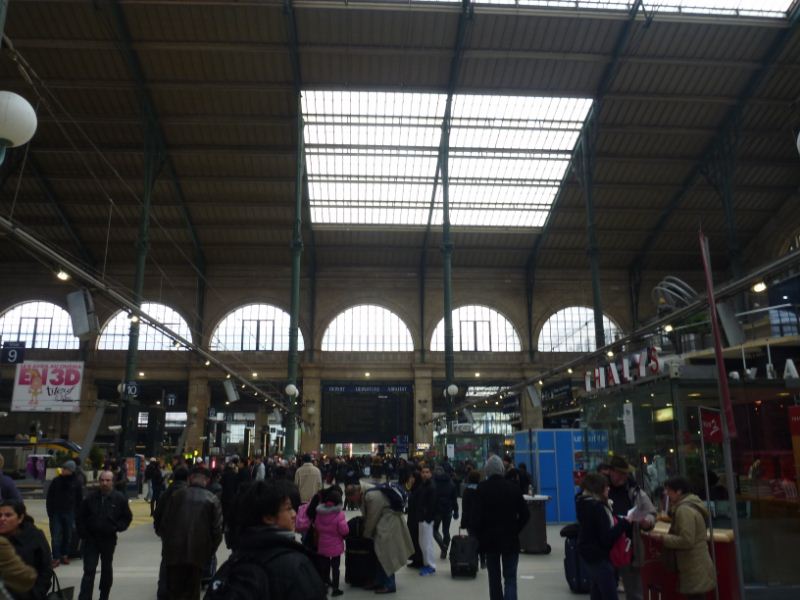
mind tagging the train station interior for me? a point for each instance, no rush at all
(409, 227)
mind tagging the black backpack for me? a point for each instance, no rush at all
(241, 577)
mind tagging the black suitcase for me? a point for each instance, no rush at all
(463, 556)
(360, 562)
(574, 568)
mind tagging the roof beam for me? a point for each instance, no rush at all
(729, 124)
(150, 114)
(610, 71)
(47, 189)
(271, 49)
(525, 155)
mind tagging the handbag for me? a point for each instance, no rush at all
(59, 593)
(622, 551)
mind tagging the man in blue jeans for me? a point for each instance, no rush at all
(101, 516)
(500, 514)
(63, 499)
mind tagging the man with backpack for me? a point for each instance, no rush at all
(268, 563)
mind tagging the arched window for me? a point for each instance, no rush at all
(478, 329)
(572, 330)
(254, 327)
(367, 328)
(114, 335)
(40, 325)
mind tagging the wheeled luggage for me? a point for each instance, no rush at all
(360, 562)
(574, 567)
(463, 556)
(533, 537)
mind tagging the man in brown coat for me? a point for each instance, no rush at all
(190, 532)
(308, 479)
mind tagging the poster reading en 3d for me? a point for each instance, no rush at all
(47, 387)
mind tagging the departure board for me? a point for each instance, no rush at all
(365, 413)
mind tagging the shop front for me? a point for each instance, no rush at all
(656, 424)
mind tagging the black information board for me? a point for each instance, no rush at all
(365, 413)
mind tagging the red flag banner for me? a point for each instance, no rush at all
(711, 422)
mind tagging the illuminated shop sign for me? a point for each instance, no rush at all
(629, 368)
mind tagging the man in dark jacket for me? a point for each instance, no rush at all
(102, 514)
(267, 519)
(190, 530)
(180, 476)
(500, 514)
(426, 513)
(446, 508)
(63, 499)
(153, 475)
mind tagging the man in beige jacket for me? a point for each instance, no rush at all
(308, 479)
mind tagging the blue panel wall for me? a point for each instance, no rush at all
(566, 481)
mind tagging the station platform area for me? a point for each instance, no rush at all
(139, 550)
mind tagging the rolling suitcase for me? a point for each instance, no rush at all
(463, 556)
(574, 567)
(360, 562)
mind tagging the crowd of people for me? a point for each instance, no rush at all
(284, 522)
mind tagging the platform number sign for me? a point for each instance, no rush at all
(13, 353)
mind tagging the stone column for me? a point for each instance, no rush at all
(261, 428)
(423, 407)
(79, 422)
(312, 413)
(198, 402)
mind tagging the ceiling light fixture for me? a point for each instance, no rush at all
(17, 122)
(668, 328)
(62, 275)
(759, 287)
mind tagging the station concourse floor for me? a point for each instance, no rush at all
(539, 577)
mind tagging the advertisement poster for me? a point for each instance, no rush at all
(711, 421)
(48, 386)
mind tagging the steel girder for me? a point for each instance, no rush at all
(582, 160)
(730, 125)
(464, 19)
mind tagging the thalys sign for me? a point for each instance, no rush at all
(48, 387)
(629, 368)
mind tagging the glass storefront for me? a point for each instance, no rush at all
(665, 441)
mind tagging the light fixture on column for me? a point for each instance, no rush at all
(292, 391)
(452, 390)
(17, 122)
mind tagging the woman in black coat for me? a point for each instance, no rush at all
(598, 534)
(469, 500)
(412, 522)
(30, 544)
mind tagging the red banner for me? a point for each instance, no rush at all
(794, 420)
(711, 422)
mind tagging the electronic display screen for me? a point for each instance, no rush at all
(365, 413)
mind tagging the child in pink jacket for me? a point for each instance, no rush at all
(326, 514)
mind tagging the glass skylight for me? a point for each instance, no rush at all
(744, 8)
(371, 157)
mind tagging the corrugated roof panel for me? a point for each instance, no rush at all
(189, 22)
(363, 27)
(222, 67)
